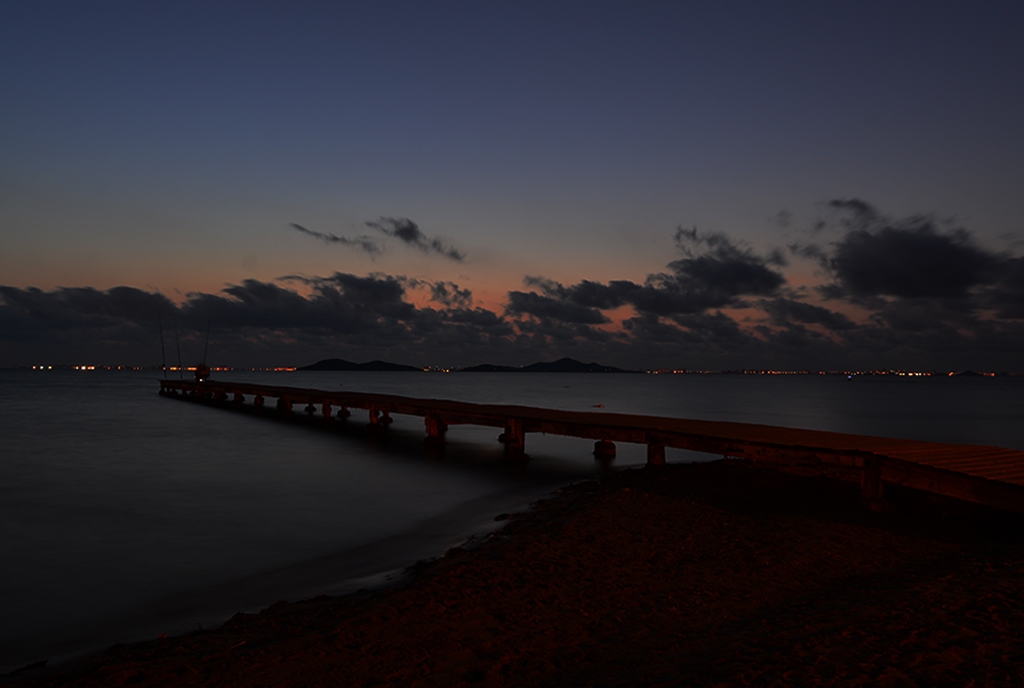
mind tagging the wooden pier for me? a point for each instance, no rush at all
(983, 474)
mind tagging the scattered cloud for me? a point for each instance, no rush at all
(784, 312)
(855, 213)
(894, 292)
(450, 294)
(1006, 293)
(364, 243)
(715, 273)
(407, 231)
(402, 228)
(910, 261)
(546, 307)
(783, 219)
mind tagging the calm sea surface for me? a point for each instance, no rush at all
(124, 514)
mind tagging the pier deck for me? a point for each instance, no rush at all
(983, 474)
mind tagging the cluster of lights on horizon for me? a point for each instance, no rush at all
(848, 373)
(657, 371)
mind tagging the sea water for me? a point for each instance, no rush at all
(124, 514)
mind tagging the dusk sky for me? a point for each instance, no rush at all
(691, 185)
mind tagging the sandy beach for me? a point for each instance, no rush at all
(719, 574)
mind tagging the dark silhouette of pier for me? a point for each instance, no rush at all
(988, 475)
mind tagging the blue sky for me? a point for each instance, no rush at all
(169, 148)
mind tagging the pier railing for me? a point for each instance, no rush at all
(987, 475)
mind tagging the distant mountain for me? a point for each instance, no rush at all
(563, 365)
(336, 364)
(332, 364)
(489, 368)
(569, 365)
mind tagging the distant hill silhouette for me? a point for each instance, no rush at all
(562, 365)
(336, 364)
(489, 368)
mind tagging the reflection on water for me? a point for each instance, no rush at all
(115, 502)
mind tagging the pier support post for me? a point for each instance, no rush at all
(343, 413)
(655, 455)
(872, 487)
(258, 401)
(284, 406)
(436, 428)
(325, 410)
(374, 420)
(310, 409)
(238, 399)
(604, 450)
(514, 439)
(386, 419)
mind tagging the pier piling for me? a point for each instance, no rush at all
(436, 429)
(655, 455)
(981, 474)
(603, 449)
(872, 486)
(514, 439)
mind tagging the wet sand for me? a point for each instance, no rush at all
(719, 574)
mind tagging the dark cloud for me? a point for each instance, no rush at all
(650, 328)
(715, 273)
(364, 243)
(480, 318)
(293, 320)
(857, 213)
(809, 251)
(720, 247)
(82, 324)
(923, 315)
(1006, 294)
(723, 270)
(87, 305)
(927, 293)
(914, 261)
(402, 228)
(717, 329)
(546, 307)
(407, 231)
(785, 312)
(341, 302)
(587, 293)
(929, 288)
(450, 294)
(877, 258)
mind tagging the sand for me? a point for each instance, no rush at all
(720, 574)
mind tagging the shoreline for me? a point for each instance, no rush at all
(376, 564)
(716, 573)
